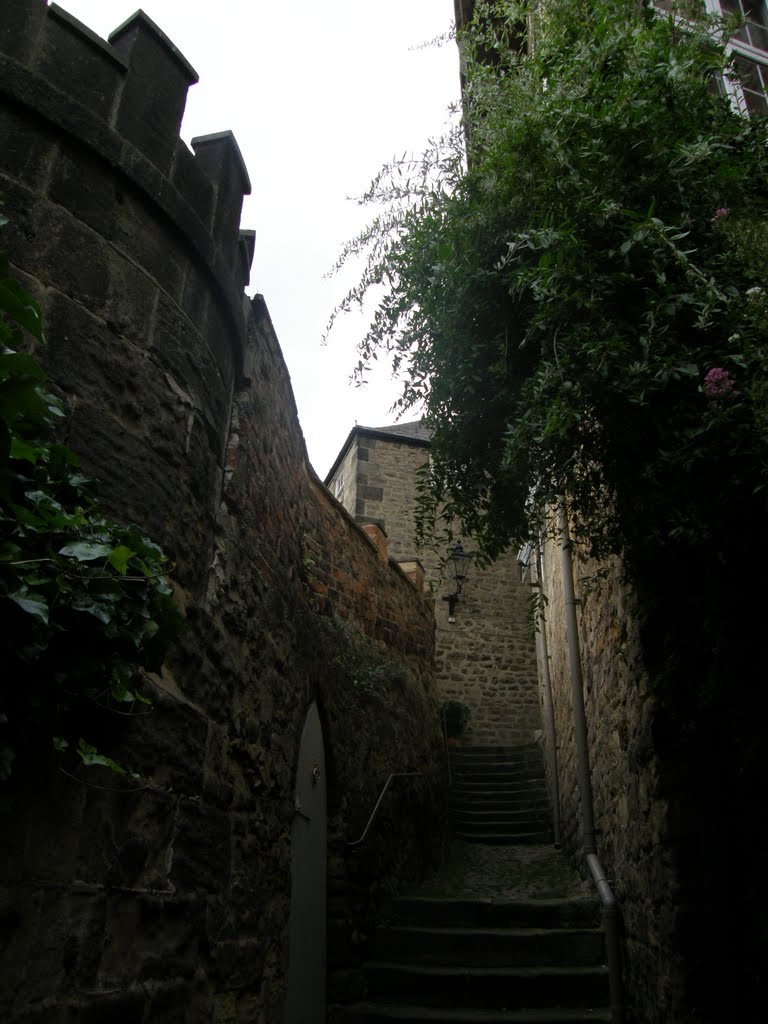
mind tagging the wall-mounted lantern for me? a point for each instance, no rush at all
(460, 561)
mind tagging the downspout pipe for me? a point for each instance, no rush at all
(611, 915)
(577, 684)
(612, 921)
(547, 707)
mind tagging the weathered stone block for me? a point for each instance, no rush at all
(155, 93)
(201, 849)
(20, 27)
(168, 747)
(240, 964)
(179, 349)
(76, 60)
(126, 1008)
(169, 1004)
(189, 178)
(28, 150)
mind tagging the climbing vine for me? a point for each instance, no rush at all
(85, 601)
(365, 672)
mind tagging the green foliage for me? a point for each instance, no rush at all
(85, 601)
(555, 300)
(560, 301)
(365, 671)
(455, 716)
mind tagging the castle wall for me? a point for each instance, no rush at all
(485, 658)
(630, 807)
(167, 899)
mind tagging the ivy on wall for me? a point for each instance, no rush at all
(85, 601)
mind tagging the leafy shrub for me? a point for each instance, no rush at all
(455, 716)
(85, 601)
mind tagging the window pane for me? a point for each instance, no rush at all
(754, 10)
(748, 74)
(758, 36)
(756, 21)
(756, 102)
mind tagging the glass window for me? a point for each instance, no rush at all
(753, 78)
(754, 31)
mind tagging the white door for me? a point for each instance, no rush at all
(305, 997)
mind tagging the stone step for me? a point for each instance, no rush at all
(535, 913)
(466, 793)
(497, 778)
(497, 781)
(520, 752)
(476, 960)
(511, 812)
(486, 987)
(491, 947)
(491, 767)
(500, 826)
(473, 787)
(371, 1013)
(538, 837)
(501, 809)
(528, 769)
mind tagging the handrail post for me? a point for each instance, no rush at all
(394, 775)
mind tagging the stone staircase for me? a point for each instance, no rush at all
(505, 933)
(498, 795)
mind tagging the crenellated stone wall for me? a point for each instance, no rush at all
(131, 245)
(168, 898)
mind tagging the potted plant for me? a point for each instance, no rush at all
(455, 716)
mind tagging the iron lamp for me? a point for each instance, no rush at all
(461, 561)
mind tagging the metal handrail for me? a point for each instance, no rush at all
(444, 722)
(394, 775)
(612, 939)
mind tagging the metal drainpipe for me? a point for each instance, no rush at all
(542, 653)
(610, 907)
(577, 686)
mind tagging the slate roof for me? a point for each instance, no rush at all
(415, 430)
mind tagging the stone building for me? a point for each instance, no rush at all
(484, 644)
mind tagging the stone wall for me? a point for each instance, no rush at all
(168, 899)
(630, 807)
(345, 480)
(486, 656)
(385, 490)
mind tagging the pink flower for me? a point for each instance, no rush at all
(718, 384)
(720, 214)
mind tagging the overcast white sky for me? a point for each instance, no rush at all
(319, 94)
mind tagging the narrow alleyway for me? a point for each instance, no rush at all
(505, 932)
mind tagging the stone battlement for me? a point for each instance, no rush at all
(122, 100)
